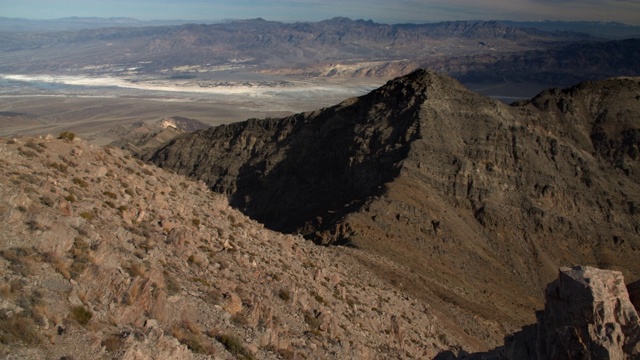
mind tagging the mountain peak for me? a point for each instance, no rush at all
(425, 173)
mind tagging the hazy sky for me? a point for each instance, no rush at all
(385, 11)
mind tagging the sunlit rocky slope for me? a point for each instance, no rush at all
(105, 257)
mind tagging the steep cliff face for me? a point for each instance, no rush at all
(477, 202)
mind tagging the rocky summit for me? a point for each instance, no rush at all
(474, 202)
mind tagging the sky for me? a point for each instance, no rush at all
(382, 11)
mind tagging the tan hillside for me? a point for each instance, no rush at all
(105, 257)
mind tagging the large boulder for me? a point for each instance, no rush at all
(588, 315)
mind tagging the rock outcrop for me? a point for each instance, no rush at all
(587, 315)
(422, 171)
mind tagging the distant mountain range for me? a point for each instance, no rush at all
(604, 29)
(480, 52)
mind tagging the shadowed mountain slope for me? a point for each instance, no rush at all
(477, 202)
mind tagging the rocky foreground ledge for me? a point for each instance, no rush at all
(589, 314)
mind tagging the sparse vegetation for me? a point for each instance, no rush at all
(86, 215)
(18, 329)
(35, 146)
(284, 294)
(27, 153)
(313, 320)
(81, 314)
(113, 342)
(110, 194)
(47, 200)
(80, 182)
(67, 136)
(136, 269)
(189, 334)
(234, 346)
(173, 287)
(81, 254)
(19, 259)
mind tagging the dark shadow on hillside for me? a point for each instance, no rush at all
(334, 162)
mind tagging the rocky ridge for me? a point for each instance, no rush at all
(103, 257)
(423, 171)
(141, 135)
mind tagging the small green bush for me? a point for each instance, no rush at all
(67, 136)
(86, 215)
(81, 314)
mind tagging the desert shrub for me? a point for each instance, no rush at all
(46, 200)
(173, 287)
(70, 198)
(234, 346)
(34, 225)
(80, 182)
(5, 289)
(34, 146)
(110, 194)
(27, 153)
(28, 302)
(18, 328)
(81, 314)
(18, 258)
(59, 167)
(312, 320)
(319, 298)
(213, 296)
(195, 222)
(240, 319)
(81, 254)
(113, 342)
(136, 269)
(28, 178)
(67, 136)
(86, 215)
(188, 334)
(284, 294)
